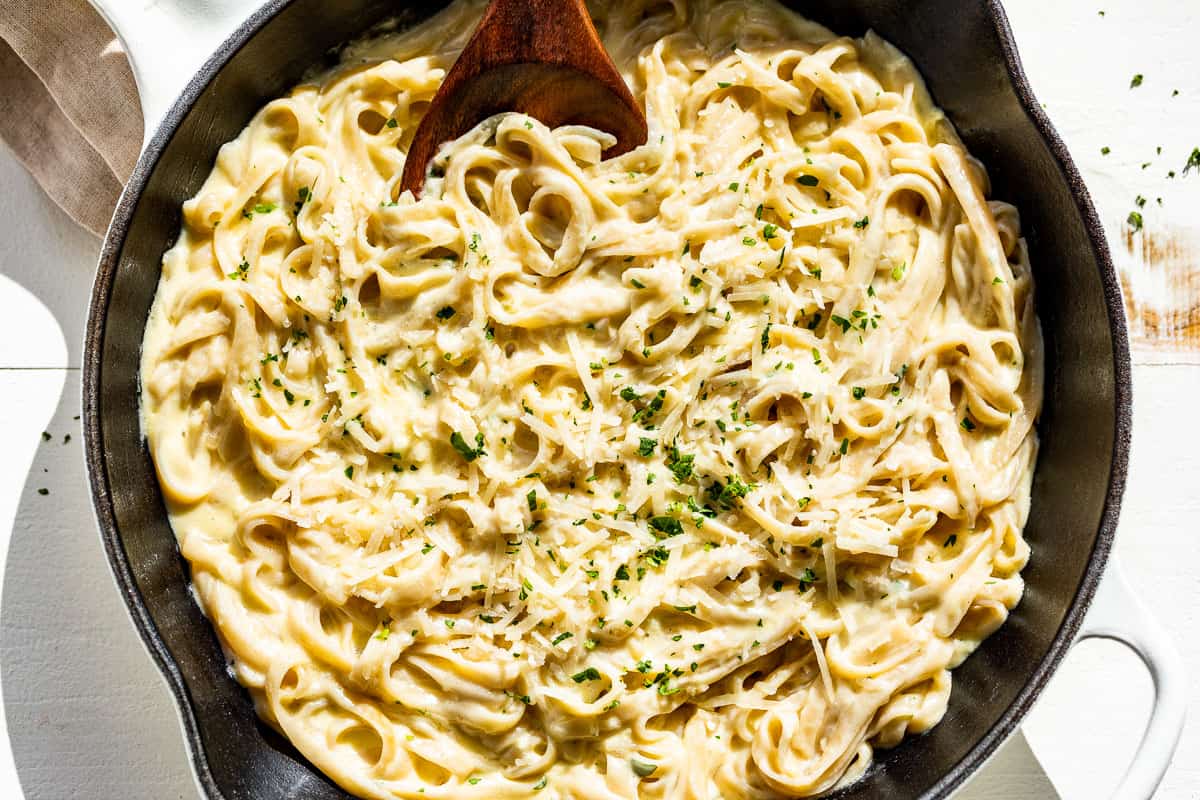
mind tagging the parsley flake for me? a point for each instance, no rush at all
(465, 450)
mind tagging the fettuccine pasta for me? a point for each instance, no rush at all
(685, 474)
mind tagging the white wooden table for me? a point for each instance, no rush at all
(88, 716)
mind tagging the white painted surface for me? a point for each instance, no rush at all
(88, 715)
(167, 41)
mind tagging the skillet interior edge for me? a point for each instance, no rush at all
(968, 56)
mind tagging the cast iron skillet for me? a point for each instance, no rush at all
(966, 52)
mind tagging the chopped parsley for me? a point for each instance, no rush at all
(653, 407)
(725, 495)
(589, 674)
(1193, 162)
(1136, 81)
(680, 465)
(303, 195)
(808, 180)
(446, 312)
(465, 450)
(657, 556)
(261, 208)
(243, 269)
(646, 447)
(664, 526)
(807, 579)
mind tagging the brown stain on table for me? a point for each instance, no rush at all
(1161, 282)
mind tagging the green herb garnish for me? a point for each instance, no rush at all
(303, 195)
(666, 526)
(680, 465)
(589, 674)
(465, 450)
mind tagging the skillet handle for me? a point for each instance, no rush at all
(167, 42)
(1118, 614)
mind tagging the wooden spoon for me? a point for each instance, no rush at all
(537, 57)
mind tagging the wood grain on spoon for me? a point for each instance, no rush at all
(537, 57)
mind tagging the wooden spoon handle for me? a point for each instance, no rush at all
(538, 31)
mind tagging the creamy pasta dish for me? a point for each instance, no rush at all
(686, 474)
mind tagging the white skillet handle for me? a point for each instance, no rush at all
(167, 42)
(1118, 614)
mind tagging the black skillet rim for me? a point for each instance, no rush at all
(106, 271)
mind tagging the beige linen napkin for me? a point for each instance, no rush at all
(68, 104)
